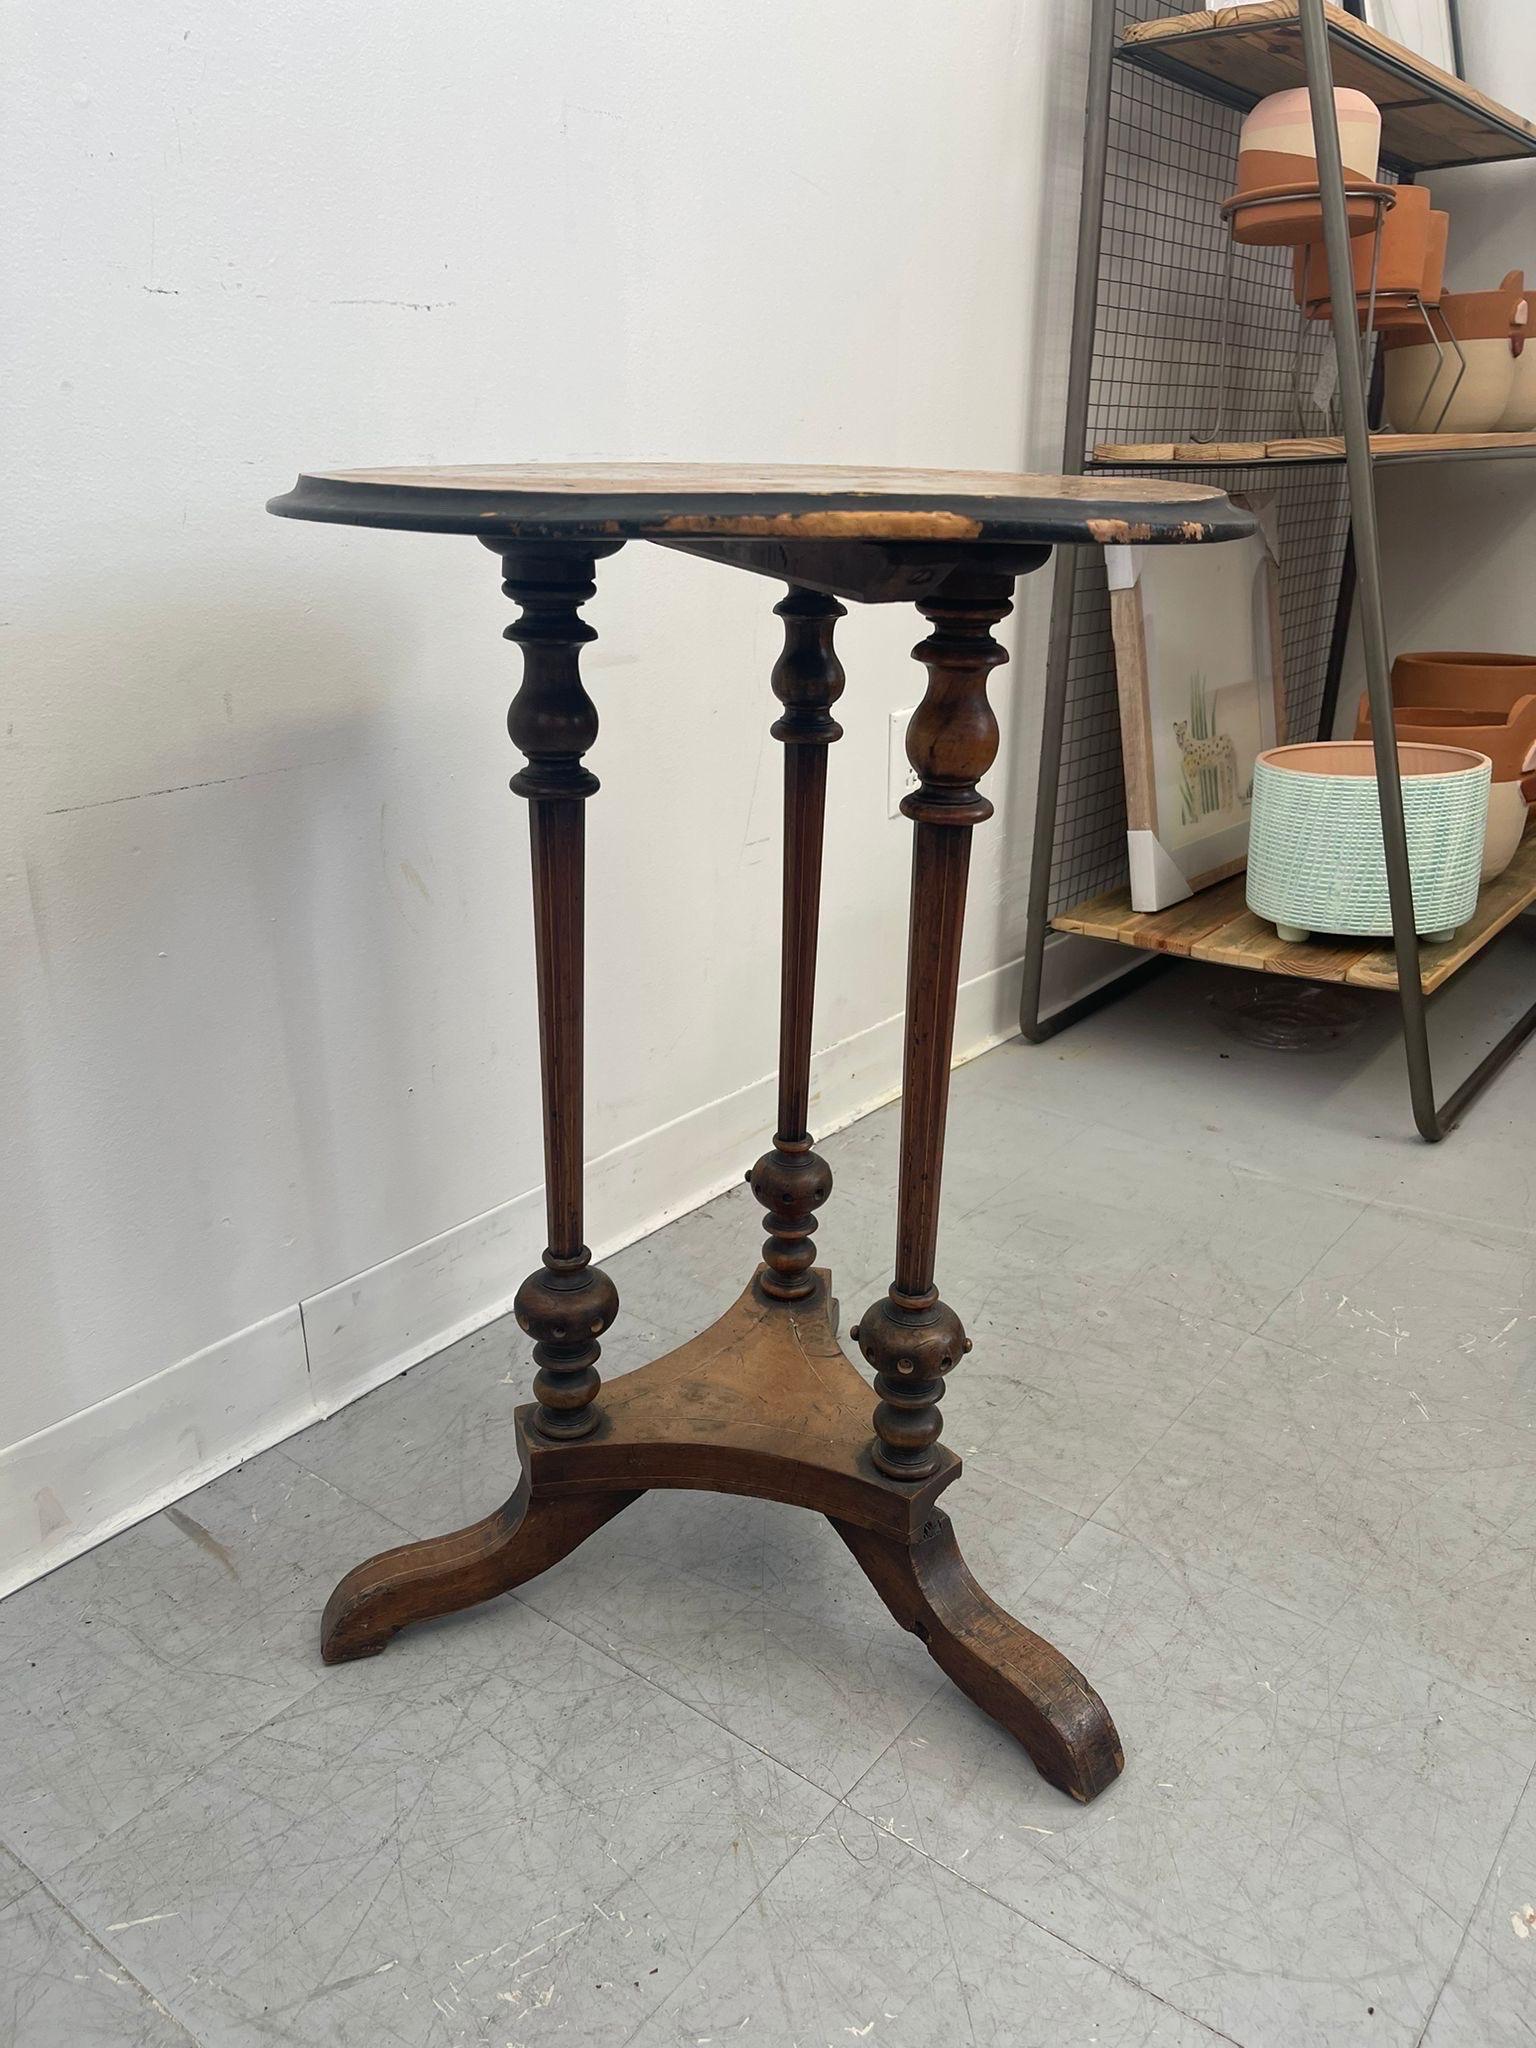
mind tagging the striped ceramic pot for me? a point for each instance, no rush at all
(1315, 858)
(1278, 157)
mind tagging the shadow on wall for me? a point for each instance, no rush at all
(1054, 183)
(206, 977)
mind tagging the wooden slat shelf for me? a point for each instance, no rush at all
(1313, 448)
(1217, 926)
(1429, 118)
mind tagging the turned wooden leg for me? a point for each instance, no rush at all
(1013, 1675)
(909, 1336)
(791, 1181)
(568, 1303)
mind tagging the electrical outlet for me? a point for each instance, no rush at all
(900, 775)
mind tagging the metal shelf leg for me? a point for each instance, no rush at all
(1367, 547)
(1085, 296)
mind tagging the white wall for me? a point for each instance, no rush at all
(1459, 539)
(266, 1025)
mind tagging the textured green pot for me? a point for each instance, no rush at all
(1315, 859)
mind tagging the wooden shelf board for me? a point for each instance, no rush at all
(1317, 448)
(1217, 926)
(1429, 117)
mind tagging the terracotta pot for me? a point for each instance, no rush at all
(1509, 741)
(1276, 202)
(1494, 683)
(1402, 265)
(1410, 275)
(1508, 800)
(1420, 379)
(1434, 256)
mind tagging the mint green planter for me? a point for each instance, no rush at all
(1315, 861)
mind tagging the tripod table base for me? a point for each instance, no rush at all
(762, 1403)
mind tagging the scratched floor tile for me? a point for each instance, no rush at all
(1489, 2000)
(757, 1615)
(15, 1878)
(1303, 1830)
(433, 1449)
(1350, 1498)
(1308, 1592)
(1444, 1310)
(133, 1665)
(823, 1693)
(1160, 1065)
(1068, 1419)
(502, 1835)
(861, 1939)
(1162, 1223)
(60, 1989)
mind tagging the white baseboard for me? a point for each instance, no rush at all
(95, 1473)
(73, 1485)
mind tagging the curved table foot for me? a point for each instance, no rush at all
(1026, 1686)
(523, 1538)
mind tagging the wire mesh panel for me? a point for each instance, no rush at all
(1165, 346)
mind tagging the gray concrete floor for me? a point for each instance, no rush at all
(1249, 1430)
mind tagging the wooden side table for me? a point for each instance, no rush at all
(764, 1402)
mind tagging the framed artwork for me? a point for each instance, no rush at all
(1423, 26)
(1197, 665)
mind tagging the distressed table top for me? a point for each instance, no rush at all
(674, 500)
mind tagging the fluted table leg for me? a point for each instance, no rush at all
(568, 1303)
(792, 1181)
(909, 1336)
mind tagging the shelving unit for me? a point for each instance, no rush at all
(1216, 925)
(1430, 119)
(1385, 448)
(1222, 60)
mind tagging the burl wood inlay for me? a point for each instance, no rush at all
(764, 1402)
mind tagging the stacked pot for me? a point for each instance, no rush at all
(1277, 203)
(1455, 362)
(1483, 701)
(1409, 269)
(1476, 376)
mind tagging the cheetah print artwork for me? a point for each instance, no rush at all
(1217, 754)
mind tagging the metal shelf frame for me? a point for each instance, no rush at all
(1362, 585)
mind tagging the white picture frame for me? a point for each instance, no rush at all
(1423, 26)
(1199, 676)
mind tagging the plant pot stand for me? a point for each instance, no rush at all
(763, 1403)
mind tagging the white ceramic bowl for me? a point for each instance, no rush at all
(1519, 416)
(1507, 813)
(1419, 382)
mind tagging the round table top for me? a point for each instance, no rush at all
(674, 500)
